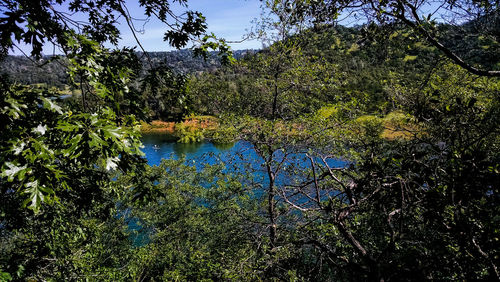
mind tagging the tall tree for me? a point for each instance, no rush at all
(59, 162)
(476, 19)
(416, 208)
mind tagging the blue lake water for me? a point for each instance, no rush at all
(158, 146)
(238, 157)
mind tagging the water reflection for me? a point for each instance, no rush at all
(158, 146)
(186, 149)
(224, 146)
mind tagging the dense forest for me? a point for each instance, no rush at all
(51, 70)
(377, 146)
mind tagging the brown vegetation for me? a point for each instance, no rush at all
(200, 122)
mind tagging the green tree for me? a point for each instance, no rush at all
(165, 94)
(409, 208)
(470, 19)
(197, 223)
(59, 160)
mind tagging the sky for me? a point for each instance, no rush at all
(229, 19)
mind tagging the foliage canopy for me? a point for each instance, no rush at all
(335, 195)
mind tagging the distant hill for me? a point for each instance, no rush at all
(52, 72)
(366, 60)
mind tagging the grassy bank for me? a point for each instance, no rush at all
(191, 129)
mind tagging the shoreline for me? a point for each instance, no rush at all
(194, 123)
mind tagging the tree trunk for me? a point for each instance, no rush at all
(271, 206)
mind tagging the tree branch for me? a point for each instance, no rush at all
(432, 40)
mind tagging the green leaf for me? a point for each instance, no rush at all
(35, 195)
(50, 105)
(12, 171)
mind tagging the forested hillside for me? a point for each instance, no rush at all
(51, 70)
(365, 67)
